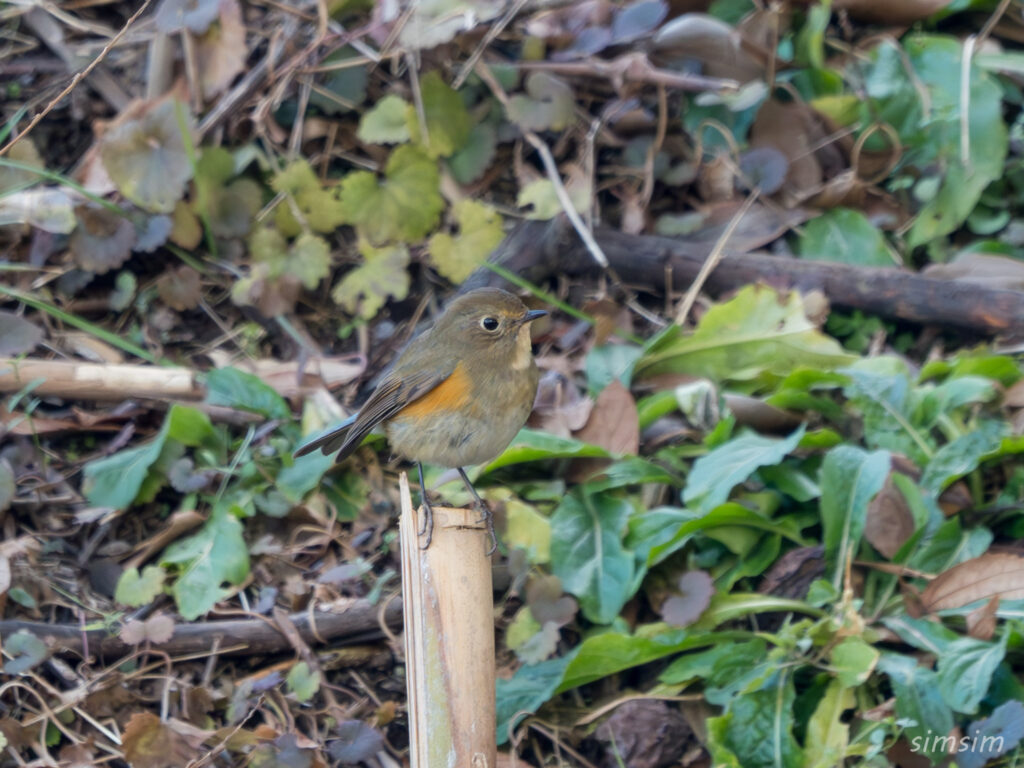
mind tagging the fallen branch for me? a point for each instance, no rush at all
(539, 250)
(99, 381)
(358, 622)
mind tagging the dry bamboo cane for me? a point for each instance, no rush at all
(449, 639)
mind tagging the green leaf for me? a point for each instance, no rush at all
(542, 196)
(846, 236)
(670, 529)
(303, 681)
(448, 122)
(405, 207)
(547, 105)
(609, 362)
(703, 664)
(321, 208)
(116, 480)
(303, 475)
(758, 728)
(728, 607)
(965, 671)
(134, 590)
(309, 259)
(526, 691)
(937, 63)
(850, 478)
(191, 427)
(25, 650)
(469, 163)
(587, 553)
(246, 392)
(522, 627)
(146, 156)
(880, 388)
(916, 691)
(386, 122)
(714, 475)
(827, 735)
(480, 232)
(853, 661)
(8, 485)
(207, 559)
(528, 530)
(364, 290)
(610, 652)
(756, 331)
(963, 455)
(534, 445)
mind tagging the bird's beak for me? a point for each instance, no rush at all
(532, 315)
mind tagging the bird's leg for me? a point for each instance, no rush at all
(428, 512)
(483, 509)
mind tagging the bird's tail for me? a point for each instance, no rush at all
(330, 441)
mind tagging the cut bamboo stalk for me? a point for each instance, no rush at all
(449, 638)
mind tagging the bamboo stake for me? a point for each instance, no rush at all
(449, 639)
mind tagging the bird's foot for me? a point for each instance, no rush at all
(488, 518)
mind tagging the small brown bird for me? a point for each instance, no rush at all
(456, 396)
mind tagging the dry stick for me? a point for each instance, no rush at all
(492, 33)
(77, 78)
(633, 67)
(96, 381)
(550, 167)
(449, 638)
(357, 621)
(713, 258)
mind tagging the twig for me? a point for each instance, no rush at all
(492, 33)
(965, 101)
(713, 258)
(356, 620)
(633, 67)
(77, 78)
(550, 168)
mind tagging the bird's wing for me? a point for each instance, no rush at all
(396, 391)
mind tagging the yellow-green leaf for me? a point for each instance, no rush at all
(448, 122)
(480, 232)
(405, 206)
(364, 289)
(386, 122)
(320, 208)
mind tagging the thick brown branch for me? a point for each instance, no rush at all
(233, 636)
(538, 250)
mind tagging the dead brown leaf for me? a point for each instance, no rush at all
(987, 269)
(981, 622)
(150, 743)
(888, 12)
(1014, 397)
(792, 574)
(560, 408)
(980, 578)
(613, 422)
(180, 288)
(221, 52)
(156, 629)
(790, 129)
(889, 521)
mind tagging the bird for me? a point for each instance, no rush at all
(456, 396)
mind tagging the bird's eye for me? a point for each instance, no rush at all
(489, 324)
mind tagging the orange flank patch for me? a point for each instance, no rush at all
(450, 395)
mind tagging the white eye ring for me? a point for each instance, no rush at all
(489, 323)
